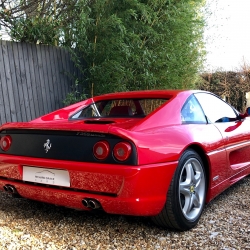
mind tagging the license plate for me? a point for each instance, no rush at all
(46, 176)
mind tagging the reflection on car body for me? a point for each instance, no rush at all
(162, 154)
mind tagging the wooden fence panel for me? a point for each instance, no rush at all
(17, 116)
(4, 88)
(34, 80)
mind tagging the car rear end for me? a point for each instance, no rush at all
(90, 158)
(80, 169)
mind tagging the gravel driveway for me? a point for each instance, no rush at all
(24, 224)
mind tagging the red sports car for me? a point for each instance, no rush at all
(161, 153)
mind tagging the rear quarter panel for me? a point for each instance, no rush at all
(166, 144)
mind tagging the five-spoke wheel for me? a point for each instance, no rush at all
(186, 194)
(192, 189)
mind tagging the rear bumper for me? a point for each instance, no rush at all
(127, 190)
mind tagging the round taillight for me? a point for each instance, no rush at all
(122, 151)
(101, 150)
(5, 142)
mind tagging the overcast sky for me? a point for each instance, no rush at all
(228, 34)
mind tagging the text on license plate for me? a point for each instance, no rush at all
(46, 176)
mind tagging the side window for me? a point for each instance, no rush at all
(216, 109)
(192, 112)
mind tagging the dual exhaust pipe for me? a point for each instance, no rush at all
(91, 203)
(11, 190)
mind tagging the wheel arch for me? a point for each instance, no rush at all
(172, 215)
(200, 151)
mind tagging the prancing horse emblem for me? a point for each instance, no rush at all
(47, 146)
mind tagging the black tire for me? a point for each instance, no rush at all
(186, 194)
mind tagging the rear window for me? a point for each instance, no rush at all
(120, 108)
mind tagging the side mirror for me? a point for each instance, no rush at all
(247, 113)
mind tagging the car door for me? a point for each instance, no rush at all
(235, 131)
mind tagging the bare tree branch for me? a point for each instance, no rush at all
(11, 10)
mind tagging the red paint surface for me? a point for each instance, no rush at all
(160, 139)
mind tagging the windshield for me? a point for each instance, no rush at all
(119, 108)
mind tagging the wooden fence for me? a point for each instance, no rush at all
(34, 80)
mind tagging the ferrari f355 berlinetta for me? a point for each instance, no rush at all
(162, 154)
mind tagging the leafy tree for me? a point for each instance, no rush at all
(39, 21)
(125, 44)
(140, 44)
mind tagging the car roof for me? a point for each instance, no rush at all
(165, 94)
